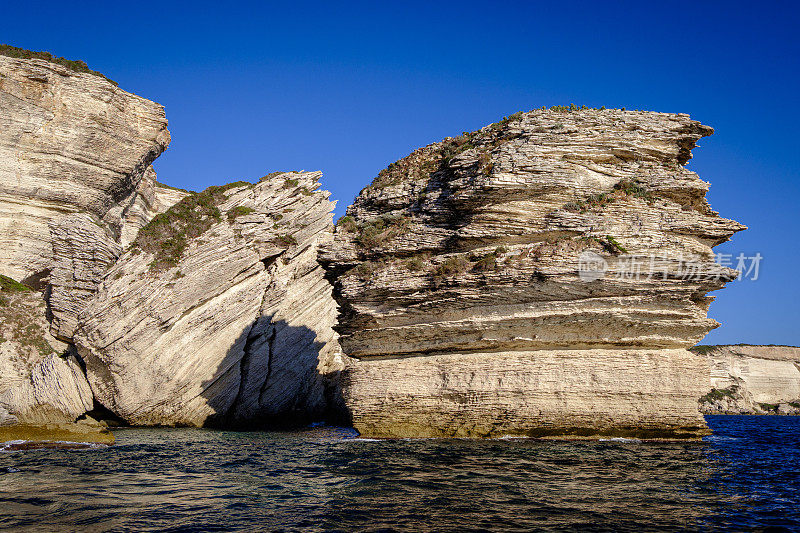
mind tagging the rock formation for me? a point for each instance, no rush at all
(219, 313)
(213, 312)
(69, 142)
(542, 276)
(752, 380)
(41, 382)
(83, 250)
(75, 184)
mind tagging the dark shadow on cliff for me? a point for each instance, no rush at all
(269, 379)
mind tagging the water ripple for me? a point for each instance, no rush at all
(746, 476)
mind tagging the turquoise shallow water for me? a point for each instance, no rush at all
(746, 476)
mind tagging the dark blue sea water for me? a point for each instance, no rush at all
(745, 477)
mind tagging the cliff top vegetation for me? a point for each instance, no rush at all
(73, 65)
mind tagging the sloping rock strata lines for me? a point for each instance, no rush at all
(75, 179)
(235, 327)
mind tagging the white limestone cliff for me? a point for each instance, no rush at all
(233, 329)
(752, 380)
(69, 142)
(463, 295)
(75, 182)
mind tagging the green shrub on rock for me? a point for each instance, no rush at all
(73, 65)
(239, 211)
(168, 235)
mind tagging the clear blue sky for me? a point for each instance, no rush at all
(349, 88)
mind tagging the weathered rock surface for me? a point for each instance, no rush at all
(40, 381)
(84, 249)
(75, 184)
(226, 325)
(752, 380)
(69, 142)
(462, 297)
(535, 393)
(219, 313)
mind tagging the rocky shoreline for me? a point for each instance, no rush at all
(451, 301)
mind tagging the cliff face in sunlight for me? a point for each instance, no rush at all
(141, 302)
(69, 143)
(531, 278)
(543, 276)
(234, 329)
(752, 380)
(75, 182)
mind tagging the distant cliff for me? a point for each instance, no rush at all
(757, 380)
(530, 278)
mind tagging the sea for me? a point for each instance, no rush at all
(745, 477)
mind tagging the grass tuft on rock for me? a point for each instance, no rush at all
(452, 266)
(348, 224)
(285, 240)
(635, 188)
(271, 175)
(379, 231)
(239, 211)
(613, 245)
(9, 285)
(719, 394)
(768, 407)
(19, 316)
(703, 349)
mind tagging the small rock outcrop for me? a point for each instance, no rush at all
(219, 314)
(752, 380)
(532, 278)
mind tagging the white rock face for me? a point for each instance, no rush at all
(69, 143)
(466, 259)
(83, 249)
(75, 184)
(542, 393)
(39, 382)
(752, 380)
(236, 331)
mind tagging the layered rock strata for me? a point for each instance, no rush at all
(752, 380)
(84, 249)
(75, 184)
(41, 382)
(542, 276)
(219, 313)
(70, 142)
